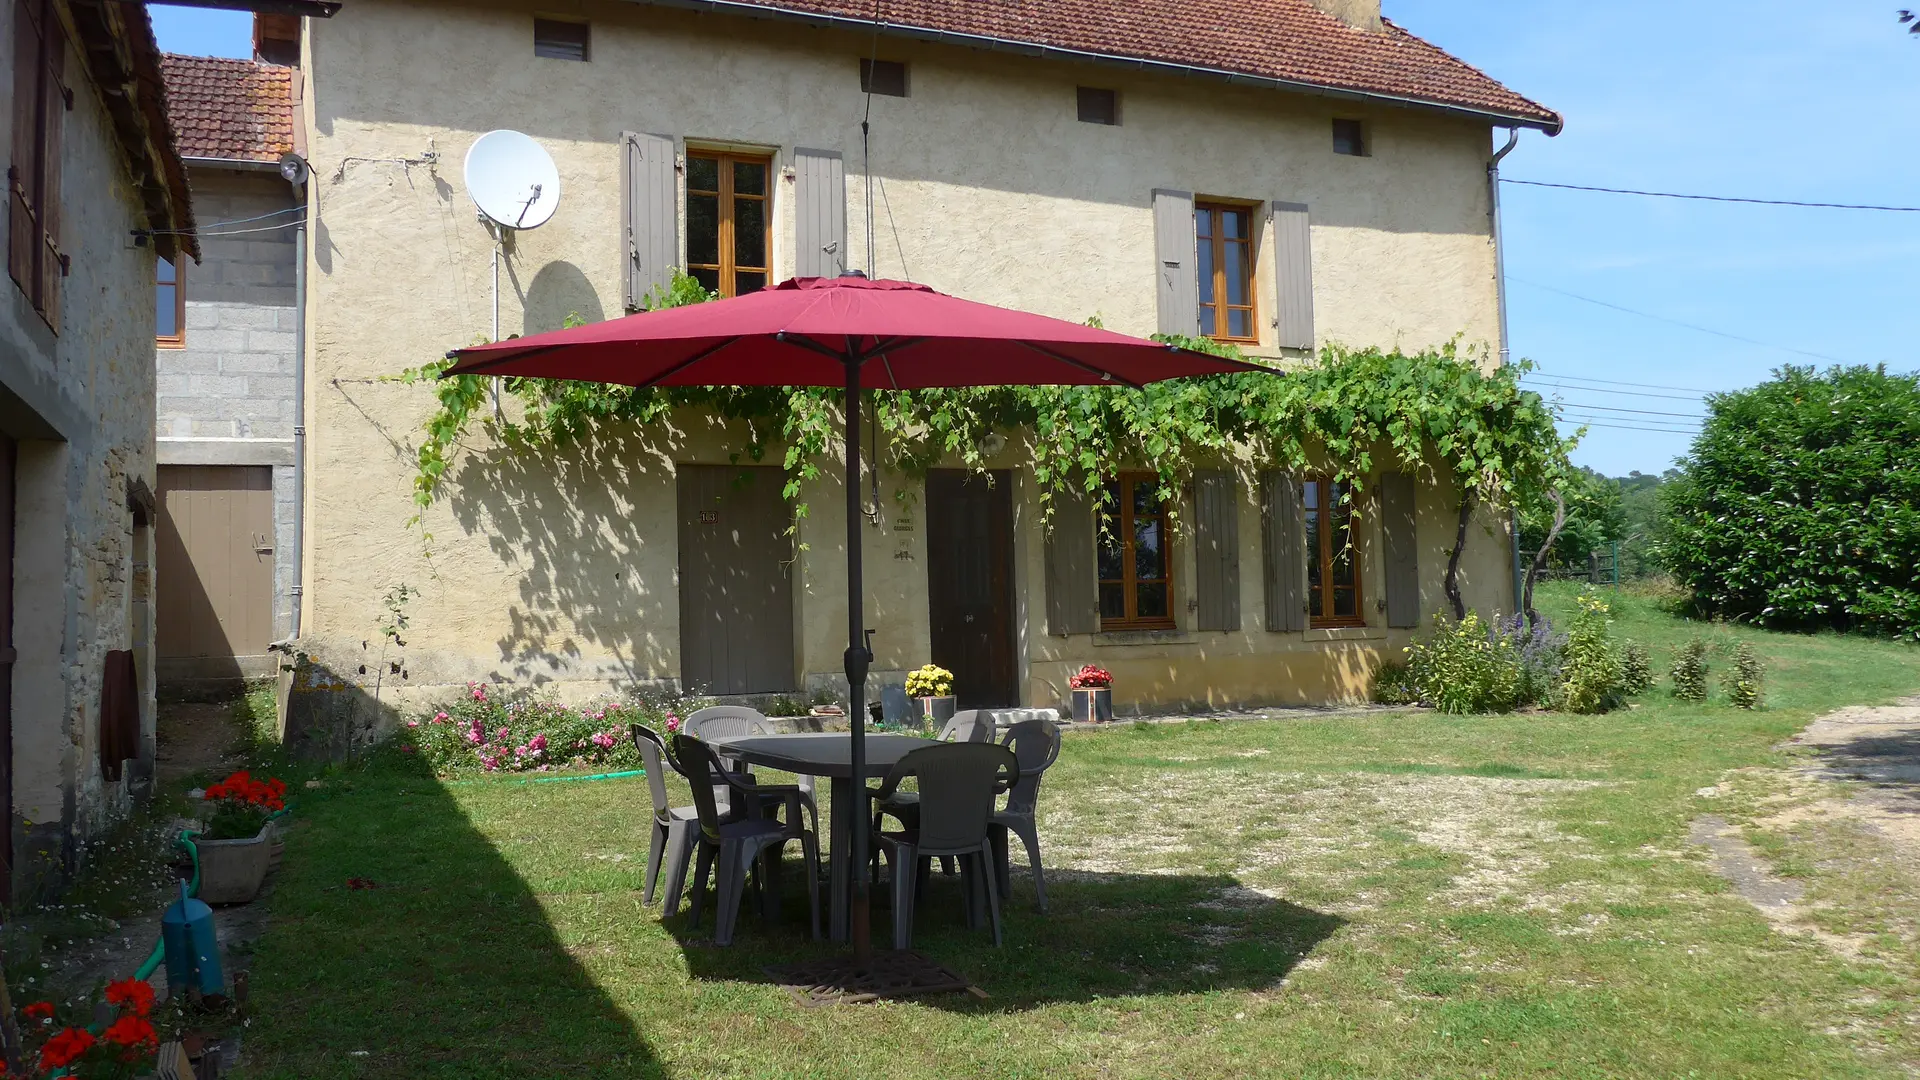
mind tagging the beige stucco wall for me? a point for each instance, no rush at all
(81, 404)
(986, 186)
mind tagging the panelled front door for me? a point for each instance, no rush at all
(9, 454)
(970, 584)
(736, 584)
(216, 565)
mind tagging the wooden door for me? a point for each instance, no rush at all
(216, 561)
(736, 583)
(9, 455)
(970, 584)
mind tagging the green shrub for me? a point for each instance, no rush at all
(1592, 671)
(1460, 668)
(1690, 671)
(1636, 667)
(1393, 685)
(1742, 680)
(1799, 504)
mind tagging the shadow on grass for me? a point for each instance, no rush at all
(447, 967)
(1105, 935)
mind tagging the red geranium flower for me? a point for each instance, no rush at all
(64, 1047)
(132, 1031)
(39, 1010)
(133, 994)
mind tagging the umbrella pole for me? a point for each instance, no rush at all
(858, 659)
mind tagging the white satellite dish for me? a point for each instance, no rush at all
(513, 180)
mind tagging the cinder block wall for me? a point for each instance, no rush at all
(227, 396)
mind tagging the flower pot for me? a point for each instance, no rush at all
(231, 871)
(938, 710)
(1093, 706)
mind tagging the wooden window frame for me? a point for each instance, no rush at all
(1216, 208)
(1323, 557)
(1122, 488)
(177, 339)
(42, 99)
(727, 268)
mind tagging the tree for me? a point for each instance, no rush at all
(1595, 519)
(1799, 506)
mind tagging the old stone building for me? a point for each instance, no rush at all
(1281, 174)
(97, 192)
(228, 363)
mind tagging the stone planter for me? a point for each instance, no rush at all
(938, 710)
(231, 871)
(1093, 706)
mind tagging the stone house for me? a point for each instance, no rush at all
(228, 363)
(1279, 173)
(96, 192)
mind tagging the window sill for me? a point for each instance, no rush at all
(1142, 637)
(1344, 633)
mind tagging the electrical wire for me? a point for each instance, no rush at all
(1715, 198)
(1617, 382)
(1677, 322)
(1637, 412)
(1628, 427)
(1623, 393)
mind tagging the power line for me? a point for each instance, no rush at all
(1629, 427)
(1716, 198)
(1623, 393)
(1637, 412)
(1617, 382)
(1677, 322)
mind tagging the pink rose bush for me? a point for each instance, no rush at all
(492, 729)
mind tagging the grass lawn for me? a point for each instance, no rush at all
(1400, 895)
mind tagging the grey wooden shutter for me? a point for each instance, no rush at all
(1174, 262)
(1283, 529)
(1293, 271)
(1073, 593)
(1216, 542)
(1401, 540)
(820, 213)
(649, 205)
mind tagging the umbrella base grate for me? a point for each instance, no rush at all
(845, 981)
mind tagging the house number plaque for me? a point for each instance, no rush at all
(709, 517)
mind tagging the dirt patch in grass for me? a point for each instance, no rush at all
(1328, 832)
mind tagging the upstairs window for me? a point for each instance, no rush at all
(1350, 138)
(727, 221)
(1333, 562)
(887, 78)
(1223, 237)
(170, 305)
(560, 39)
(1135, 558)
(1098, 106)
(41, 102)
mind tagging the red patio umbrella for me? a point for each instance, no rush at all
(853, 332)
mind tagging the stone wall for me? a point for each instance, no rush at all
(226, 394)
(78, 397)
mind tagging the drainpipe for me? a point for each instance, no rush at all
(299, 418)
(1506, 350)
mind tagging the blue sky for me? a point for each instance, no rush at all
(1775, 99)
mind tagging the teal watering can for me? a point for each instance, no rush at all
(193, 953)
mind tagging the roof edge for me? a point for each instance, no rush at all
(1552, 124)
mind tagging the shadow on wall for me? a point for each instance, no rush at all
(593, 568)
(447, 966)
(560, 289)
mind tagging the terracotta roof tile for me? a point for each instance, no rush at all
(234, 109)
(1288, 40)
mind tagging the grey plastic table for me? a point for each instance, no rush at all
(828, 754)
